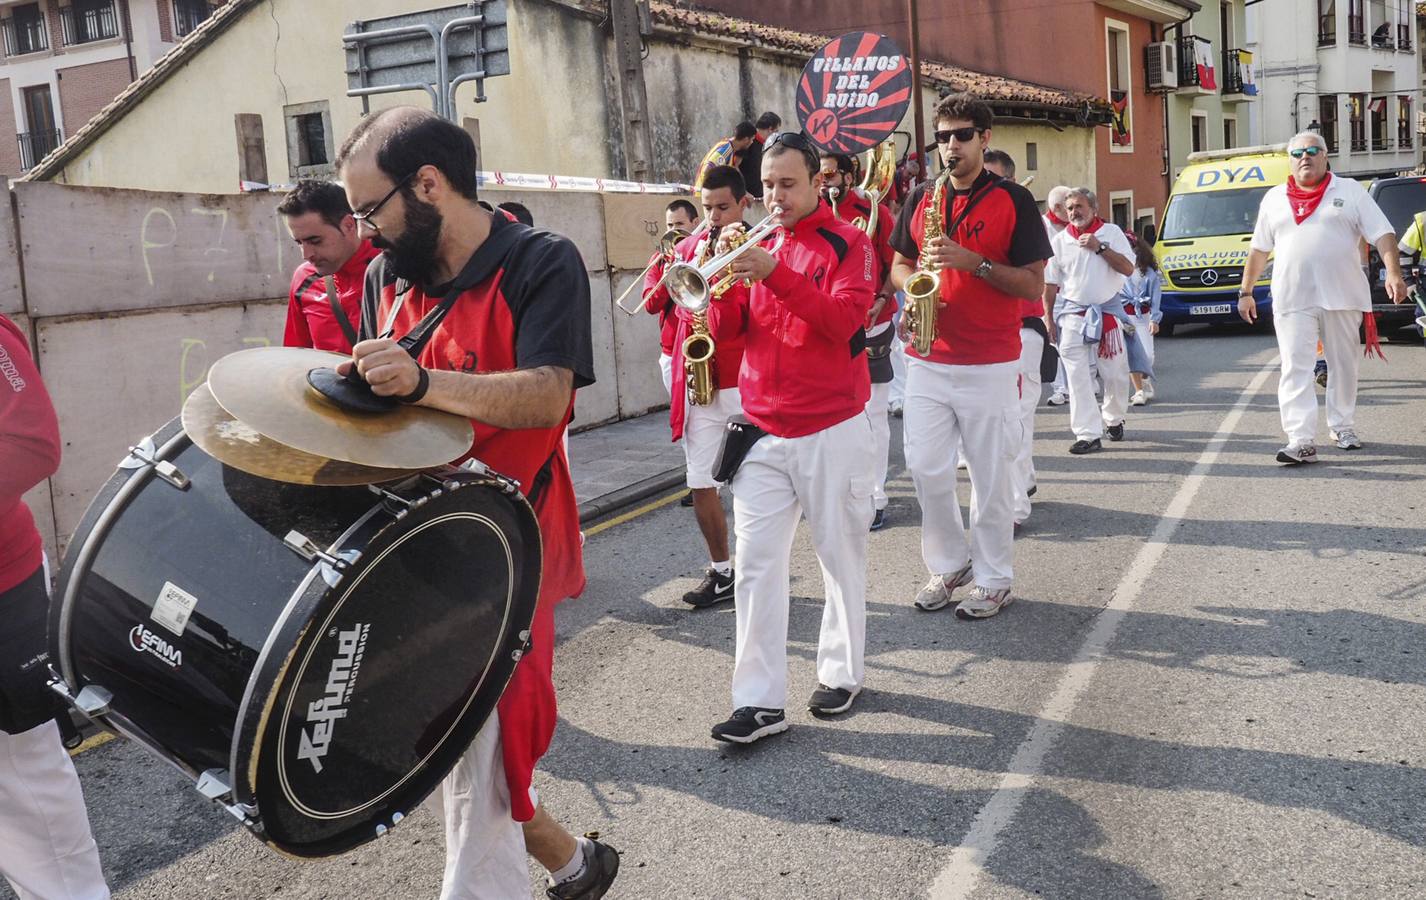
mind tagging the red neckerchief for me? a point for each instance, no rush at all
(1054, 219)
(1094, 226)
(1304, 202)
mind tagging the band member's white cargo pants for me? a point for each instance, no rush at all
(878, 410)
(666, 372)
(46, 849)
(978, 406)
(485, 848)
(827, 476)
(1297, 335)
(1032, 347)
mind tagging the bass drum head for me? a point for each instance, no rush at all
(397, 669)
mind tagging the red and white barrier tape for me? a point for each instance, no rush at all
(536, 182)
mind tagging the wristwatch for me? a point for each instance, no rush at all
(1102, 248)
(983, 269)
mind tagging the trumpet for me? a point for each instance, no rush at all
(668, 243)
(693, 287)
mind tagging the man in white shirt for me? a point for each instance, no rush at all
(1055, 222)
(1315, 225)
(1092, 258)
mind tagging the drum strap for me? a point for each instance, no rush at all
(338, 313)
(542, 479)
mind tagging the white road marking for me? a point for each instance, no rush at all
(961, 875)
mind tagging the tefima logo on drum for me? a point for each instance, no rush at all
(145, 641)
(322, 715)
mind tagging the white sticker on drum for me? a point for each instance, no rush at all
(173, 607)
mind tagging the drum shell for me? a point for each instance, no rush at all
(251, 656)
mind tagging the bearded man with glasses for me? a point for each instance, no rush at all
(1314, 224)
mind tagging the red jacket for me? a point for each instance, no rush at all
(853, 204)
(725, 325)
(309, 314)
(803, 363)
(29, 453)
(656, 300)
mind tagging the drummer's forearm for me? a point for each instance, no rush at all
(525, 398)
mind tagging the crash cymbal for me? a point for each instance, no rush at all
(266, 389)
(231, 442)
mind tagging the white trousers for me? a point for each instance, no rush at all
(1032, 346)
(703, 428)
(47, 851)
(485, 848)
(827, 476)
(898, 371)
(1297, 337)
(666, 369)
(980, 407)
(1088, 418)
(878, 410)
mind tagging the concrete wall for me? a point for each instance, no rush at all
(147, 290)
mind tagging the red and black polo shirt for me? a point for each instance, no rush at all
(310, 318)
(980, 324)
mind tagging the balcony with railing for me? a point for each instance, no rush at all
(1194, 78)
(1404, 137)
(23, 36)
(189, 14)
(88, 22)
(1237, 75)
(35, 146)
(1357, 29)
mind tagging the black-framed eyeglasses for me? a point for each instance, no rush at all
(364, 218)
(960, 134)
(1299, 152)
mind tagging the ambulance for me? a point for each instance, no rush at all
(1203, 243)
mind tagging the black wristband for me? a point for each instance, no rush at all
(423, 385)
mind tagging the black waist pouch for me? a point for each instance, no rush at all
(738, 439)
(25, 698)
(1050, 354)
(878, 356)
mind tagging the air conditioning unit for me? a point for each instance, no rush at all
(1161, 62)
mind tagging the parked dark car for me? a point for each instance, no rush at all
(1402, 199)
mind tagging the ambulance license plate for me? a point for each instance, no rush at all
(1210, 309)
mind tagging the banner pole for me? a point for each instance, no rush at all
(919, 133)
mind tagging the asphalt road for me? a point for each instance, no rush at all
(1212, 684)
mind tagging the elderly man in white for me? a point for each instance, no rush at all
(1314, 225)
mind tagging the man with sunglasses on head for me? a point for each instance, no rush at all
(1314, 225)
(991, 258)
(806, 443)
(849, 204)
(507, 311)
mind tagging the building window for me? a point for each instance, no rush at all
(1405, 125)
(309, 140)
(1356, 22)
(1380, 139)
(1326, 23)
(43, 134)
(1032, 157)
(25, 30)
(1405, 23)
(1230, 133)
(1356, 114)
(252, 148)
(1199, 132)
(189, 14)
(1121, 125)
(1327, 120)
(1383, 30)
(1121, 212)
(84, 21)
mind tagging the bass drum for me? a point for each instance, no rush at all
(316, 659)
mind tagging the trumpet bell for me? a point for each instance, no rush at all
(688, 287)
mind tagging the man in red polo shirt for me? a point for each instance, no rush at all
(700, 428)
(991, 258)
(508, 352)
(848, 204)
(46, 849)
(804, 388)
(681, 215)
(324, 300)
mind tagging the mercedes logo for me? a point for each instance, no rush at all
(1210, 276)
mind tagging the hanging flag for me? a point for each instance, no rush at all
(1120, 134)
(1377, 106)
(1203, 58)
(1245, 69)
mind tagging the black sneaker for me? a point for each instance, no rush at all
(1079, 448)
(713, 590)
(687, 500)
(601, 864)
(828, 701)
(878, 521)
(750, 723)
(1115, 432)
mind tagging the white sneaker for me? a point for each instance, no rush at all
(937, 592)
(1058, 398)
(1346, 439)
(1138, 399)
(983, 603)
(1296, 454)
(1148, 390)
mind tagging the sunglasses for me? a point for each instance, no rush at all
(960, 134)
(797, 141)
(364, 218)
(1299, 152)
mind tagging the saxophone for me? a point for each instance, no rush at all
(923, 288)
(698, 346)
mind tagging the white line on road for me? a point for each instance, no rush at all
(959, 878)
